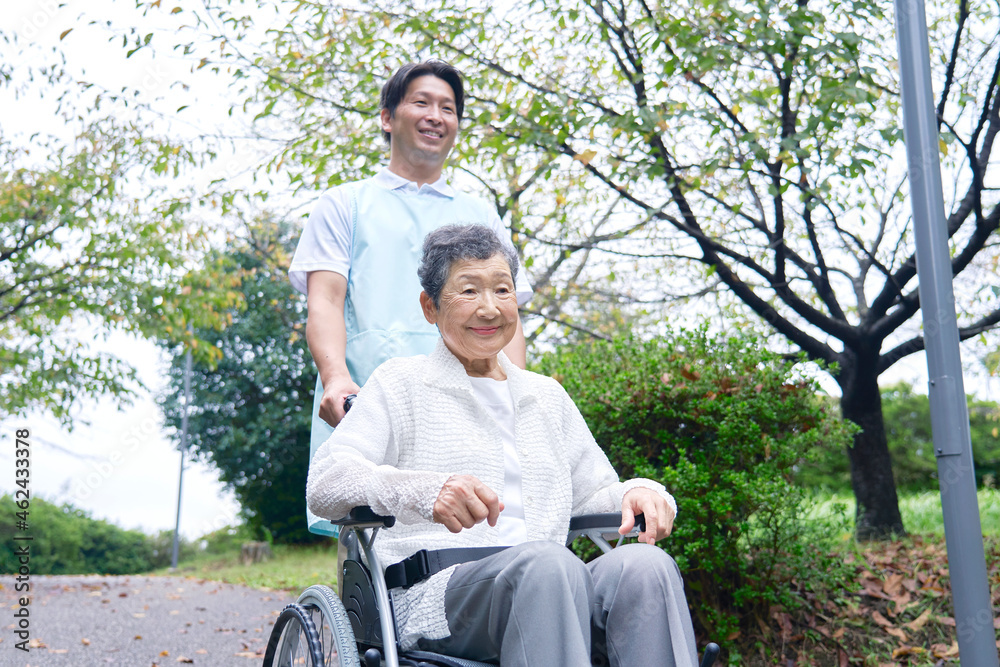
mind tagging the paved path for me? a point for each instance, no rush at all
(138, 621)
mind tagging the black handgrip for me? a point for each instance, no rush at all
(348, 402)
(363, 515)
(711, 653)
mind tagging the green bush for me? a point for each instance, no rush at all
(722, 423)
(228, 539)
(66, 540)
(162, 549)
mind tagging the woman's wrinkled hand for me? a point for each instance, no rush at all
(465, 501)
(658, 514)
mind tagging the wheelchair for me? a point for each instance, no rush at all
(321, 630)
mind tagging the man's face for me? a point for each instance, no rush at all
(425, 125)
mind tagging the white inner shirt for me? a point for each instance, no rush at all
(494, 396)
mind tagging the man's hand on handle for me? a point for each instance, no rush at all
(465, 501)
(659, 516)
(331, 406)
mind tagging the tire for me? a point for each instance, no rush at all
(294, 640)
(336, 636)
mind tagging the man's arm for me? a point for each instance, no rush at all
(516, 348)
(326, 334)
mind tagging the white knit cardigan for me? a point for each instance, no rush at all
(415, 424)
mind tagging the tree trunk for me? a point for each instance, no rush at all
(877, 516)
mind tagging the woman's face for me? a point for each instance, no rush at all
(477, 313)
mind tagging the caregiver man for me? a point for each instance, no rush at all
(357, 258)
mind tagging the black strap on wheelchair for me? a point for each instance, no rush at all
(425, 563)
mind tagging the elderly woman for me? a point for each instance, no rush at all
(468, 450)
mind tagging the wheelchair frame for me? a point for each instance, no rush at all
(364, 525)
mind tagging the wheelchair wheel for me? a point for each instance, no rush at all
(293, 640)
(336, 637)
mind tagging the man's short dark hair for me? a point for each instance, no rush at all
(395, 88)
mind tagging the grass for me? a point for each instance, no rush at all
(291, 568)
(921, 511)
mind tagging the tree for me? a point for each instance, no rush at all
(641, 152)
(91, 237)
(250, 411)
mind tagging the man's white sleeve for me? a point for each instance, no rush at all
(325, 244)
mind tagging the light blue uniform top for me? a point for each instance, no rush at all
(372, 232)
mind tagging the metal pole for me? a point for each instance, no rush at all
(949, 412)
(184, 445)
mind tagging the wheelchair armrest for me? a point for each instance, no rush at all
(365, 517)
(610, 521)
(602, 527)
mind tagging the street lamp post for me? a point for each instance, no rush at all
(949, 412)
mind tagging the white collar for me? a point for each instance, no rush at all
(445, 370)
(392, 181)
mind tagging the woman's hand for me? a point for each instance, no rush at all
(658, 515)
(465, 501)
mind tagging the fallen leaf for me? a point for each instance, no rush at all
(892, 584)
(138, 637)
(901, 601)
(908, 650)
(946, 620)
(201, 651)
(881, 620)
(785, 622)
(246, 654)
(181, 658)
(139, 615)
(58, 650)
(919, 621)
(174, 612)
(839, 633)
(873, 589)
(85, 641)
(37, 643)
(945, 651)
(164, 654)
(898, 634)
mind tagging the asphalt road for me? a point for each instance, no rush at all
(138, 621)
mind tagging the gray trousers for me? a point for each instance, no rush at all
(538, 605)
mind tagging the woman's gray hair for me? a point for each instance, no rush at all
(454, 243)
